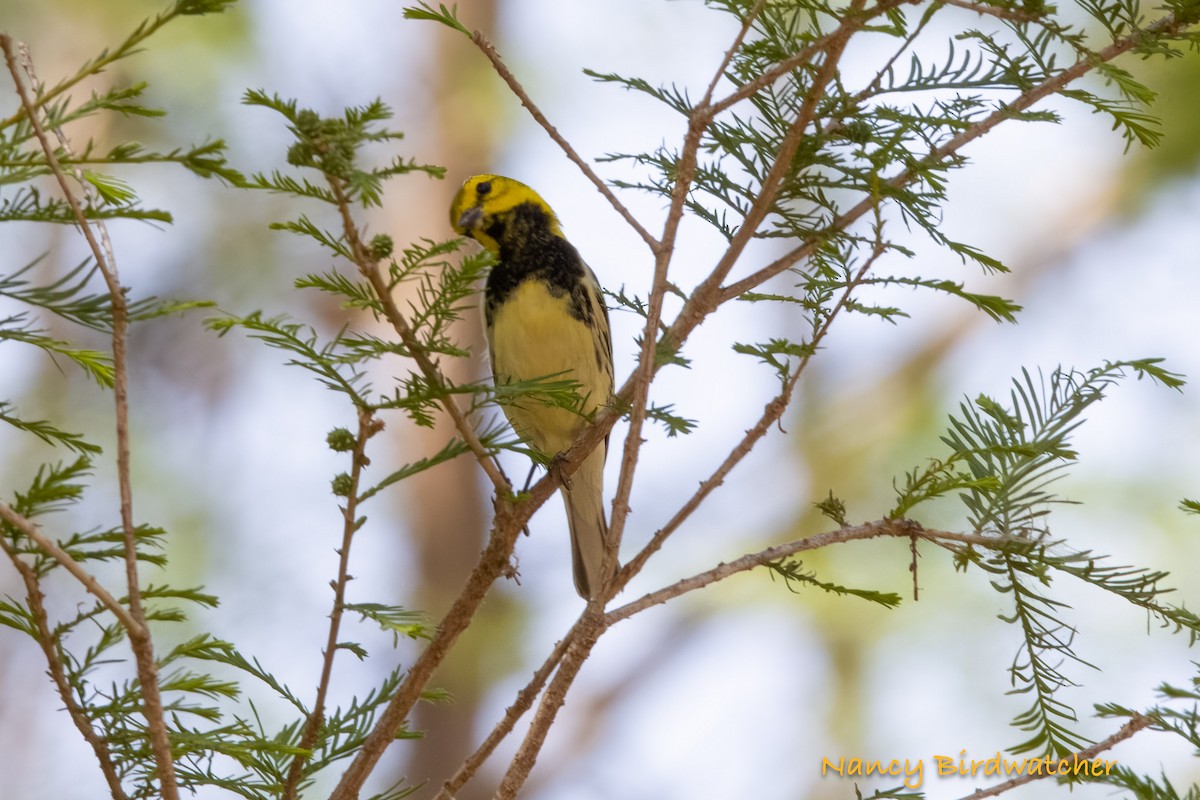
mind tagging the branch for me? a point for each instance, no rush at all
(505, 73)
(370, 268)
(869, 530)
(51, 548)
(521, 704)
(368, 426)
(510, 518)
(707, 296)
(139, 635)
(588, 630)
(772, 413)
(54, 664)
(1168, 24)
(640, 381)
(1137, 723)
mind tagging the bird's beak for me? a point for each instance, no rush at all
(470, 219)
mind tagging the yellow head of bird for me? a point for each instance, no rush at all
(486, 200)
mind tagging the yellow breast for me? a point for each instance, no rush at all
(534, 335)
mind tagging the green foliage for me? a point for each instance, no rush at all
(895, 793)
(793, 575)
(333, 147)
(674, 424)
(1177, 715)
(446, 16)
(833, 145)
(1003, 461)
(396, 621)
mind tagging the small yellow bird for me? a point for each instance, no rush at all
(545, 318)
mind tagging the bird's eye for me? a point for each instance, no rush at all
(483, 188)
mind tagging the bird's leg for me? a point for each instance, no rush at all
(555, 469)
(529, 478)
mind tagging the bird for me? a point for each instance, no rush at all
(545, 318)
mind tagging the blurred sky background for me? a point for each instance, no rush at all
(735, 691)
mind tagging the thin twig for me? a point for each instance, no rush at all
(521, 704)
(647, 357)
(588, 630)
(869, 530)
(139, 635)
(368, 426)
(1168, 24)
(510, 517)
(52, 549)
(912, 567)
(505, 73)
(798, 59)
(54, 664)
(772, 413)
(372, 271)
(1137, 723)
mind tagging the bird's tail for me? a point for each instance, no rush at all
(589, 527)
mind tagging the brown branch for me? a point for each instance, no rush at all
(896, 528)
(48, 642)
(1137, 723)
(521, 704)
(899, 528)
(368, 426)
(707, 296)
(370, 267)
(1168, 24)
(772, 413)
(510, 517)
(52, 549)
(139, 635)
(505, 73)
(642, 377)
(801, 57)
(588, 630)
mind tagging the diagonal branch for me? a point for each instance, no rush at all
(648, 356)
(54, 664)
(588, 630)
(521, 704)
(139, 634)
(1166, 25)
(1126, 731)
(510, 518)
(52, 549)
(869, 530)
(368, 426)
(772, 413)
(707, 296)
(370, 268)
(505, 73)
